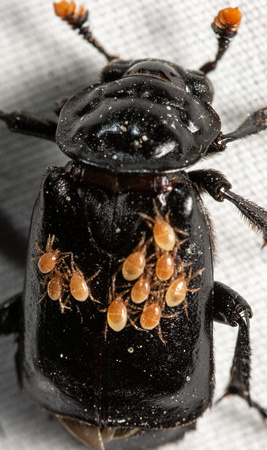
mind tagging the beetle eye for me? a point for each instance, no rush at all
(198, 84)
(114, 70)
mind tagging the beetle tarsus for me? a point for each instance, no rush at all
(232, 309)
(231, 390)
(260, 409)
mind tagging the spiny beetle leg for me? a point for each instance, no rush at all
(254, 123)
(256, 215)
(218, 187)
(27, 123)
(11, 314)
(230, 308)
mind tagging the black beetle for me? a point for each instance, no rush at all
(162, 189)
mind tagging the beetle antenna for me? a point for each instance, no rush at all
(225, 25)
(77, 18)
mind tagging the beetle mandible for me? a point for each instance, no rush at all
(131, 137)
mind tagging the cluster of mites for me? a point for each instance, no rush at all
(62, 280)
(155, 272)
(158, 278)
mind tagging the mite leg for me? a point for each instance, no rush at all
(11, 315)
(218, 187)
(231, 309)
(27, 123)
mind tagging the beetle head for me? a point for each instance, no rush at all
(192, 81)
(144, 116)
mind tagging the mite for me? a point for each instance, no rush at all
(138, 335)
(117, 314)
(50, 258)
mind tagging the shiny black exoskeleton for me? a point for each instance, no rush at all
(153, 117)
(131, 136)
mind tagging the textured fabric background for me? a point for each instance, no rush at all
(42, 59)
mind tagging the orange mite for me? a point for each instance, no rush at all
(140, 290)
(165, 267)
(78, 286)
(164, 234)
(50, 257)
(55, 287)
(150, 316)
(176, 292)
(133, 266)
(117, 314)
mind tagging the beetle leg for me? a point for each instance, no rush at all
(10, 315)
(256, 215)
(218, 187)
(211, 181)
(27, 123)
(229, 305)
(230, 308)
(254, 123)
